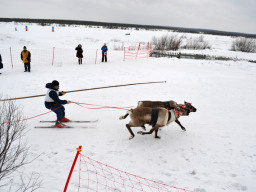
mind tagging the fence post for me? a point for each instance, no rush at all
(11, 56)
(138, 51)
(79, 149)
(148, 51)
(53, 56)
(124, 53)
(96, 56)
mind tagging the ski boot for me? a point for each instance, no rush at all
(64, 119)
(60, 125)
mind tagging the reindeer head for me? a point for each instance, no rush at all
(182, 110)
(190, 106)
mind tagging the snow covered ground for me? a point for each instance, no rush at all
(216, 153)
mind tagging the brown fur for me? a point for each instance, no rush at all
(190, 107)
(154, 104)
(172, 104)
(142, 115)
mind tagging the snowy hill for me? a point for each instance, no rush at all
(216, 153)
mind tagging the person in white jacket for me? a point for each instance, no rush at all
(53, 103)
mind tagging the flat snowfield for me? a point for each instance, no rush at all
(217, 153)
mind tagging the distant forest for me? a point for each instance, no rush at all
(45, 22)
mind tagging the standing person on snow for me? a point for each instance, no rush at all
(53, 103)
(79, 53)
(26, 58)
(1, 64)
(104, 50)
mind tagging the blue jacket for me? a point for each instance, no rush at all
(53, 95)
(104, 49)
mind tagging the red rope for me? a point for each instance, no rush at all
(79, 104)
(82, 105)
(101, 106)
(31, 117)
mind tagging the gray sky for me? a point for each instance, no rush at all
(224, 15)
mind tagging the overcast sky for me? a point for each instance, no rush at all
(224, 15)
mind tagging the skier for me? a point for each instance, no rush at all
(53, 103)
(79, 53)
(104, 49)
(26, 58)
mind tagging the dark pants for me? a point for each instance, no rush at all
(59, 110)
(104, 57)
(27, 66)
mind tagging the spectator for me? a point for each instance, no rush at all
(1, 64)
(79, 53)
(104, 50)
(26, 58)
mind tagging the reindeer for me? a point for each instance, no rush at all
(157, 117)
(165, 104)
(168, 105)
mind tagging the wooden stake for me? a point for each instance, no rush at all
(86, 90)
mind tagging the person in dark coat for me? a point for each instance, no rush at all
(79, 53)
(26, 58)
(53, 102)
(1, 64)
(104, 50)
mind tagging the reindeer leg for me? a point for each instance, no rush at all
(157, 137)
(129, 129)
(177, 121)
(143, 127)
(150, 132)
(124, 116)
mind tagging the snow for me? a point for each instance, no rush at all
(216, 153)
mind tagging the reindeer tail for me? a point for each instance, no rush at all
(124, 116)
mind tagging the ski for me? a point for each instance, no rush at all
(53, 126)
(94, 121)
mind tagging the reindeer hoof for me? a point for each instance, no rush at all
(131, 137)
(143, 128)
(183, 129)
(157, 137)
(121, 117)
(140, 132)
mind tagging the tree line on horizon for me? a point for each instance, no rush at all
(46, 22)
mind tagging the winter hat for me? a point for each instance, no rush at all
(24, 47)
(55, 83)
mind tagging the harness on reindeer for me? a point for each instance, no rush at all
(154, 116)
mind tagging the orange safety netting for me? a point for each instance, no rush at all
(137, 52)
(96, 176)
